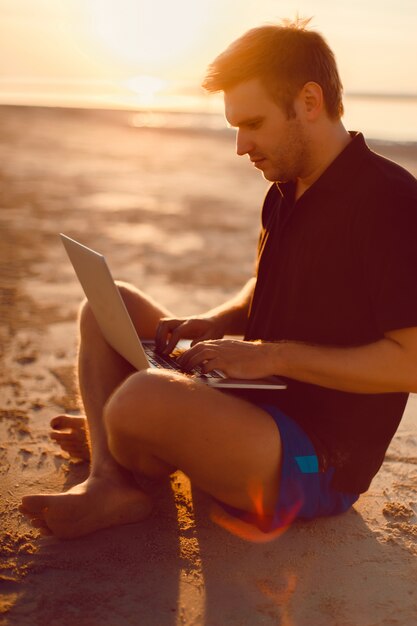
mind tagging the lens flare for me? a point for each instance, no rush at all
(258, 526)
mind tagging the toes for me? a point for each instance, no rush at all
(66, 421)
(61, 438)
(63, 441)
(38, 522)
(67, 441)
(34, 504)
(35, 518)
(60, 421)
(75, 446)
(73, 452)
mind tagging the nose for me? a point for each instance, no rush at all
(243, 144)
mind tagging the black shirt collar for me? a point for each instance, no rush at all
(337, 174)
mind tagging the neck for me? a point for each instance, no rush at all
(325, 147)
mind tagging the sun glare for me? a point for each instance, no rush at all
(151, 36)
(145, 88)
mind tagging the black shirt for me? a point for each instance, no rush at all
(339, 268)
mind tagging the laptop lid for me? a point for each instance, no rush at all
(106, 302)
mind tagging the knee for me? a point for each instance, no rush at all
(121, 416)
(140, 404)
(120, 409)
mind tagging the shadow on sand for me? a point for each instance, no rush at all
(325, 572)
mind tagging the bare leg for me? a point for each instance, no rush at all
(228, 447)
(153, 422)
(110, 494)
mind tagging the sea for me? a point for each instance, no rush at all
(388, 118)
(383, 118)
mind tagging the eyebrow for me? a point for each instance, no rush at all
(247, 122)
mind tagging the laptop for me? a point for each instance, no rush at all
(117, 327)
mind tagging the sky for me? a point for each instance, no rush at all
(151, 46)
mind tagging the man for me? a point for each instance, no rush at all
(332, 309)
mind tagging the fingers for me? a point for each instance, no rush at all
(164, 330)
(170, 331)
(177, 334)
(201, 355)
(208, 336)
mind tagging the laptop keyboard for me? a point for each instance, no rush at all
(160, 360)
(169, 362)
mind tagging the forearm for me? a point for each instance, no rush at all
(234, 312)
(381, 367)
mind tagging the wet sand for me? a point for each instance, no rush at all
(177, 213)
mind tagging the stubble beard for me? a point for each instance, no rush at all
(292, 160)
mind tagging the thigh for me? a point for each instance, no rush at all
(144, 310)
(228, 447)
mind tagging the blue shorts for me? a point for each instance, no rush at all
(305, 491)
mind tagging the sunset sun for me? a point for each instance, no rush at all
(150, 35)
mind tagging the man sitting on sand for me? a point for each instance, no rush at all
(332, 308)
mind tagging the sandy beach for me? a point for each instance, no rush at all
(177, 213)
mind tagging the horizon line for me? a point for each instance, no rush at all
(182, 89)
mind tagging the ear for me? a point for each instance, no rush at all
(311, 98)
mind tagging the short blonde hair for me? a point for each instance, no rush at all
(284, 57)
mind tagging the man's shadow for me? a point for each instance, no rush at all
(122, 575)
(333, 570)
(179, 566)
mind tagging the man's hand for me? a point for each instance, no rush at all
(170, 331)
(235, 358)
(229, 318)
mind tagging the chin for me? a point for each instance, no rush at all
(268, 175)
(273, 177)
(271, 174)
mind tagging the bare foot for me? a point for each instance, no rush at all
(99, 502)
(71, 433)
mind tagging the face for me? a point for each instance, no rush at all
(276, 145)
